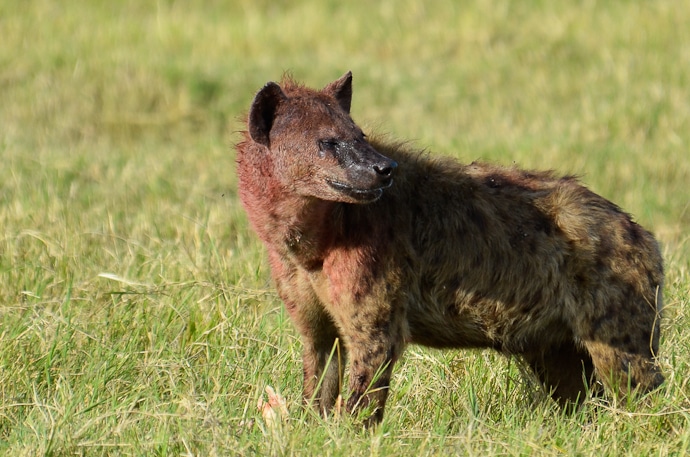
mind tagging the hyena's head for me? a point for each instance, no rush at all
(315, 147)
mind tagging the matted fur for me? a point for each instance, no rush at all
(449, 255)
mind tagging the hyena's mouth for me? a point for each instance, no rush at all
(362, 195)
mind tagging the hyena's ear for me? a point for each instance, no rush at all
(341, 89)
(263, 111)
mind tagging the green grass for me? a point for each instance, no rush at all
(136, 312)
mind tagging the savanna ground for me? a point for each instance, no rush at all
(136, 312)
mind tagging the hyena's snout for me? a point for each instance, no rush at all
(384, 170)
(379, 169)
(367, 168)
(367, 172)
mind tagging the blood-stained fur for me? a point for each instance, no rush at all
(377, 246)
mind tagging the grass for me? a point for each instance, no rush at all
(136, 311)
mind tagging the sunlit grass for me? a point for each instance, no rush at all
(136, 312)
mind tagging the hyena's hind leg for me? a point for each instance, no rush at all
(565, 370)
(623, 346)
(624, 369)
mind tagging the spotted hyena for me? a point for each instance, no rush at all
(377, 246)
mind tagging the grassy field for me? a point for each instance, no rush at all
(137, 315)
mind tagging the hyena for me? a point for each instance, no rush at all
(375, 245)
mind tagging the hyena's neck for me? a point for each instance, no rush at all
(298, 226)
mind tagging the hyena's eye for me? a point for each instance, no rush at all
(328, 145)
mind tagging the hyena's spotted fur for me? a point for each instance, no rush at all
(377, 246)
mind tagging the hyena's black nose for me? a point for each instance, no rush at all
(385, 170)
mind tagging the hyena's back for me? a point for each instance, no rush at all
(530, 264)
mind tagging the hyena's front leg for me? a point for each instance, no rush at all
(323, 355)
(323, 360)
(375, 342)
